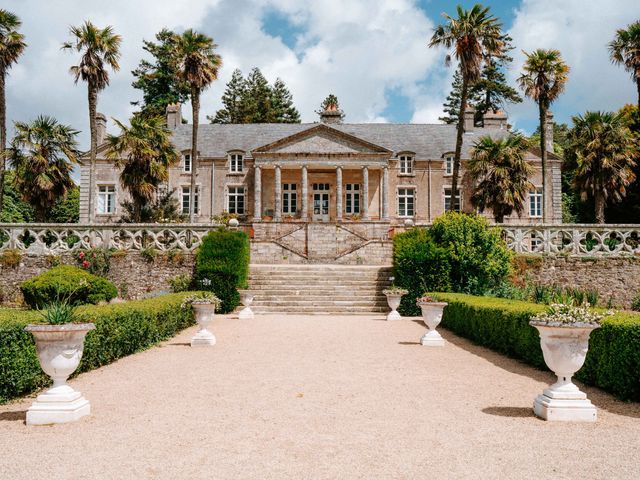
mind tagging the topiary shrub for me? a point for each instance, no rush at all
(69, 283)
(222, 265)
(419, 265)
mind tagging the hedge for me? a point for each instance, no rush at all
(222, 266)
(121, 329)
(613, 360)
(69, 283)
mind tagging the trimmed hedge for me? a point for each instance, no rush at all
(121, 329)
(69, 283)
(613, 360)
(222, 266)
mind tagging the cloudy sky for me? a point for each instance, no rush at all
(371, 53)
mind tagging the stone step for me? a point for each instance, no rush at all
(270, 296)
(286, 306)
(320, 310)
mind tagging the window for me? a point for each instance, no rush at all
(447, 200)
(289, 198)
(352, 203)
(236, 163)
(535, 203)
(448, 165)
(186, 199)
(235, 200)
(186, 163)
(405, 202)
(536, 242)
(406, 164)
(106, 199)
(321, 186)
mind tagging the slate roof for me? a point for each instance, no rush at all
(427, 141)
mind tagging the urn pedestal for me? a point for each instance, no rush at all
(394, 302)
(246, 298)
(432, 315)
(59, 350)
(205, 313)
(564, 349)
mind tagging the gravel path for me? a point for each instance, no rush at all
(313, 397)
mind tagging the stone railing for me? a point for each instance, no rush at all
(40, 238)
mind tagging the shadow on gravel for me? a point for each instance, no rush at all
(16, 416)
(408, 343)
(179, 344)
(509, 411)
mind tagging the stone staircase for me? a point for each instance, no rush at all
(317, 289)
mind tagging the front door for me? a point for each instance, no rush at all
(320, 202)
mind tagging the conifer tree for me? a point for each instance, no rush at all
(232, 99)
(492, 91)
(283, 110)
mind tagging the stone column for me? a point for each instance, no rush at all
(385, 193)
(365, 193)
(278, 189)
(338, 193)
(303, 204)
(257, 192)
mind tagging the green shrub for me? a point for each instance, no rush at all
(65, 282)
(635, 304)
(94, 260)
(180, 283)
(222, 265)
(613, 360)
(121, 329)
(419, 265)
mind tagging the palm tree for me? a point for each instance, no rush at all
(43, 154)
(475, 37)
(100, 47)
(501, 174)
(543, 80)
(604, 150)
(11, 47)
(625, 49)
(198, 66)
(144, 153)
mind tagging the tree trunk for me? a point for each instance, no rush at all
(638, 87)
(543, 157)
(93, 104)
(599, 201)
(458, 152)
(3, 135)
(195, 111)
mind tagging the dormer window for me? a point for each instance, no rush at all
(406, 164)
(236, 163)
(186, 163)
(448, 165)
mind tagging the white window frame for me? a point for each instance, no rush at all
(235, 194)
(185, 192)
(186, 163)
(352, 198)
(446, 196)
(448, 164)
(110, 196)
(535, 203)
(289, 198)
(404, 212)
(236, 162)
(405, 164)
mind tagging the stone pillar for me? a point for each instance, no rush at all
(338, 193)
(257, 192)
(365, 193)
(278, 189)
(385, 193)
(305, 185)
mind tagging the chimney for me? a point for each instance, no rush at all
(101, 128)
(332, 114)
(469, 118)
(496, 120)
(548, 128)
(174, 115)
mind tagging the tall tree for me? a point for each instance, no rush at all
(282, 107)
(625, 50)
(492, 91)
(474, 36)
(543, 80)
(502, 175)
(100, 49)
(451, 105)
(143, 152)
(43, 154)
(157, 79)
(232, 101)
(198, 66)
(605, 151)
(257, 101)
(11, 47)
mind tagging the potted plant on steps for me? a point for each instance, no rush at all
(564, 338)
(59, 343)
(246, 298)
(394, 295)
(432, 315)
(204, 305)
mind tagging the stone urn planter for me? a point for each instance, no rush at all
(246, 298)
(431, 315)
(394, 295)
(59, 350)
(564, 338)
(204, 306)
